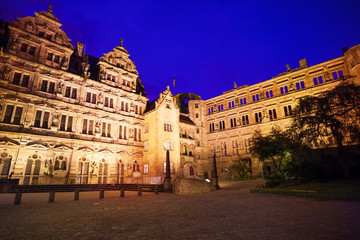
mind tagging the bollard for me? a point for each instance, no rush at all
(122, 192)
(102, 194)
(156, 190)
(51, 196)
(139, 191)
(17, 200)
(76, 195)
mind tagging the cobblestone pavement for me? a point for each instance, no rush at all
(231, 213)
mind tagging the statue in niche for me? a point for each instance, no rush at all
(5, 73)
(291, 86)
(100, 98)
(97, 127)
(131, 132)
(327, 76)
(55, 119)
(102, 74)
(64, 62)
(14, 43)
(94, 169)
(60, 87)
(49, 168)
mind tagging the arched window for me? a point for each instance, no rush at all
(60, 163)
(83, 171)
(32, 170)
(103, 172)
(56, 167)
(185, 150)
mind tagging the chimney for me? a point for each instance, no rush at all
(303, 63)
(79, 49)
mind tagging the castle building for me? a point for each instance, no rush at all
(67, 117)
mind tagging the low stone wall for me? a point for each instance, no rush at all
(187, 186)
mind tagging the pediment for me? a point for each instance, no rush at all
(85, 149)
(105, 150)
(62, 147)
(8, 141)
(38, 144)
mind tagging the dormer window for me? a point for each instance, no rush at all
(41, 34)
(32, 50)
(57, 59)
(48, 37)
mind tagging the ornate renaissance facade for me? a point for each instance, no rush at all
(67, 117)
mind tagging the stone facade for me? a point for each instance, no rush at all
(67, 117)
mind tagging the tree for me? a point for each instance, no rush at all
(241, 167)
(332, 117)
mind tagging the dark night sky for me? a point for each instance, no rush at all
(208, 45)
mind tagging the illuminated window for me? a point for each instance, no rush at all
(272, 114)
(245, 120)
(13, 114)
(171, 168)
(41, 119)
(21, 79)
(168, 145)
(146, 146)
(146, 168)
(287, 110)
(258, 117)
(66, 123)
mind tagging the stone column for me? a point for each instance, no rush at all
(167, 181)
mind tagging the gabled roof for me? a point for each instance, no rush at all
(186, 119)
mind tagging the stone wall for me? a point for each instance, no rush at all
(188, 186)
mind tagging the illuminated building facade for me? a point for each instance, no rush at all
(67, 117)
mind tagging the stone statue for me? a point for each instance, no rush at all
(131, 133)
(100, 99)
(97, 127)
(55, 119)
(50, 8)
(288, 68)
(5, 73)
(49, 168)
(292, 86)
(94, 169)
(327, 75)
(235, 85)
(60, 87)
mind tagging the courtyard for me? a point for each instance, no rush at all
(231, 213)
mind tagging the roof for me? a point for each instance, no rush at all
(186, 119)
(150, 106)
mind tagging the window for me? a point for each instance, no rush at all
(41, 119)
(245, 120)
(91, 97)
(171, 168)
(287, 110)
(242, 101)
(255, 97)
(231, 104)
(300, 85)
(122, 132)
(272, 114)
(66, 123)
(211, 110)
(284, 89)
(335, 76)
(71, 92)
(233, 122)
(57, 59)
(223, 149)
(106, 129)
(146, 146)
(47, 86)
(220, 107)
(269, 94)
(196, 105)
(196, 115)
(168, 145)
(13, 114)
(341, 75)
(167, 127)
(50, 56)
(24, 47)
(88, 127)
(32, 50)
(146, 128)
(41, 34)
(21, 79)
(318, 80)
(258, 117)
(146, 168)
(197, 130)
(212, 127)
(109, 102)
(222, 125)
(235, 147)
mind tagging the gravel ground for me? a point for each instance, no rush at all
(231, 213)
